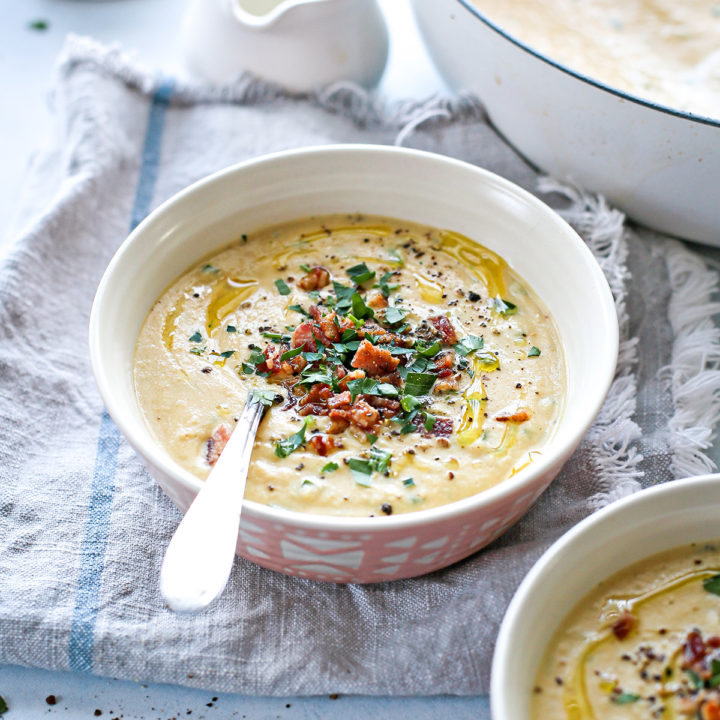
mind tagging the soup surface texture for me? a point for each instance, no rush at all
(416, 368)
(643, 644)
(660, 50)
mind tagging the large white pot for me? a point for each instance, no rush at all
(660, 166)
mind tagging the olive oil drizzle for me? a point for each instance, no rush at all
(575, 698)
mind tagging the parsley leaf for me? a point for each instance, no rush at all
(429, 421)
(385, 287)
(712, 584)
(283, 448)
(344, 296)
(469, 344)
(419, 383)
(504, 307)
(534, 352)
(305, 267)
(282, 287)
(380, 459)
(227, 354)
(299, 309)
(196, 337)
(430, 351)
(290, 354)
(361, 471)
(360, 273)
(3, 705)
(265, 397)
(394, 315)
(330, 467)
(625, 698)
(408, 482)
(359, 308)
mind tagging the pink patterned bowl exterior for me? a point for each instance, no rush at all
(395, 182)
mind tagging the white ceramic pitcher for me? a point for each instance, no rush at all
(300, 44)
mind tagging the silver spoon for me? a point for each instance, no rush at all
(200, 555)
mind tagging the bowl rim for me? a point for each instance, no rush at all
(623, 94)
(501, 676)
(147, 448)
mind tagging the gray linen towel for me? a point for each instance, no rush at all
(83, 526)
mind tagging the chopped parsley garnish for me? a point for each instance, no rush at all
(305, 267)
(276, 337)
(360, 273)
(290, 354)
(695, 679)
(210, 269)
(227, 354)
(330, 467)
(408, 482)
(3, 705)
(625, 698)
(197, 350)
(409, 403)
(504, 307)
(282, 287)
(283, 448)
(299, 309)
(429, 421)
(712, 584)
(344, 296)
(419, 383)
(196, 337)
(264, 397)
(361, 471)
(39, 26)
(312, 357)
(469, 344)
(359, 308)
(368, 386)
(533, 352)
(430, 351)
(380, 459)
(318, 376)
(394, 315)
(371, 438)
(385, 287)
(230, 328)
(256, 357)
(396, 257)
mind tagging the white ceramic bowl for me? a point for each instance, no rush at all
(660, 166)
(649, 522)
(400, 183)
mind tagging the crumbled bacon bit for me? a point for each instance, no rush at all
(303, 337)
(347, 377)
(518, 417)
(364, 415)
(216, 443)
(623, 625)
(710, 709)
(376, 299)
(340, 400)
(444, 329)
(322, 444)
(280, 368)
(318, 277)
(694, 649)
(442, 428)
(374, 360)
(340, 421)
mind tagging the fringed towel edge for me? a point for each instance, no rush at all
(694, 371)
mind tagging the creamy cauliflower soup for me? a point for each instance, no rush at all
(660, 50)
(643, 644)
(415, 367)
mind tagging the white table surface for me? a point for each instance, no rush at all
(27, 58)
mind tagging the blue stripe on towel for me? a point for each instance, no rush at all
(97, 529)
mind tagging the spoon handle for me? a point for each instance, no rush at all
(200, 555)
